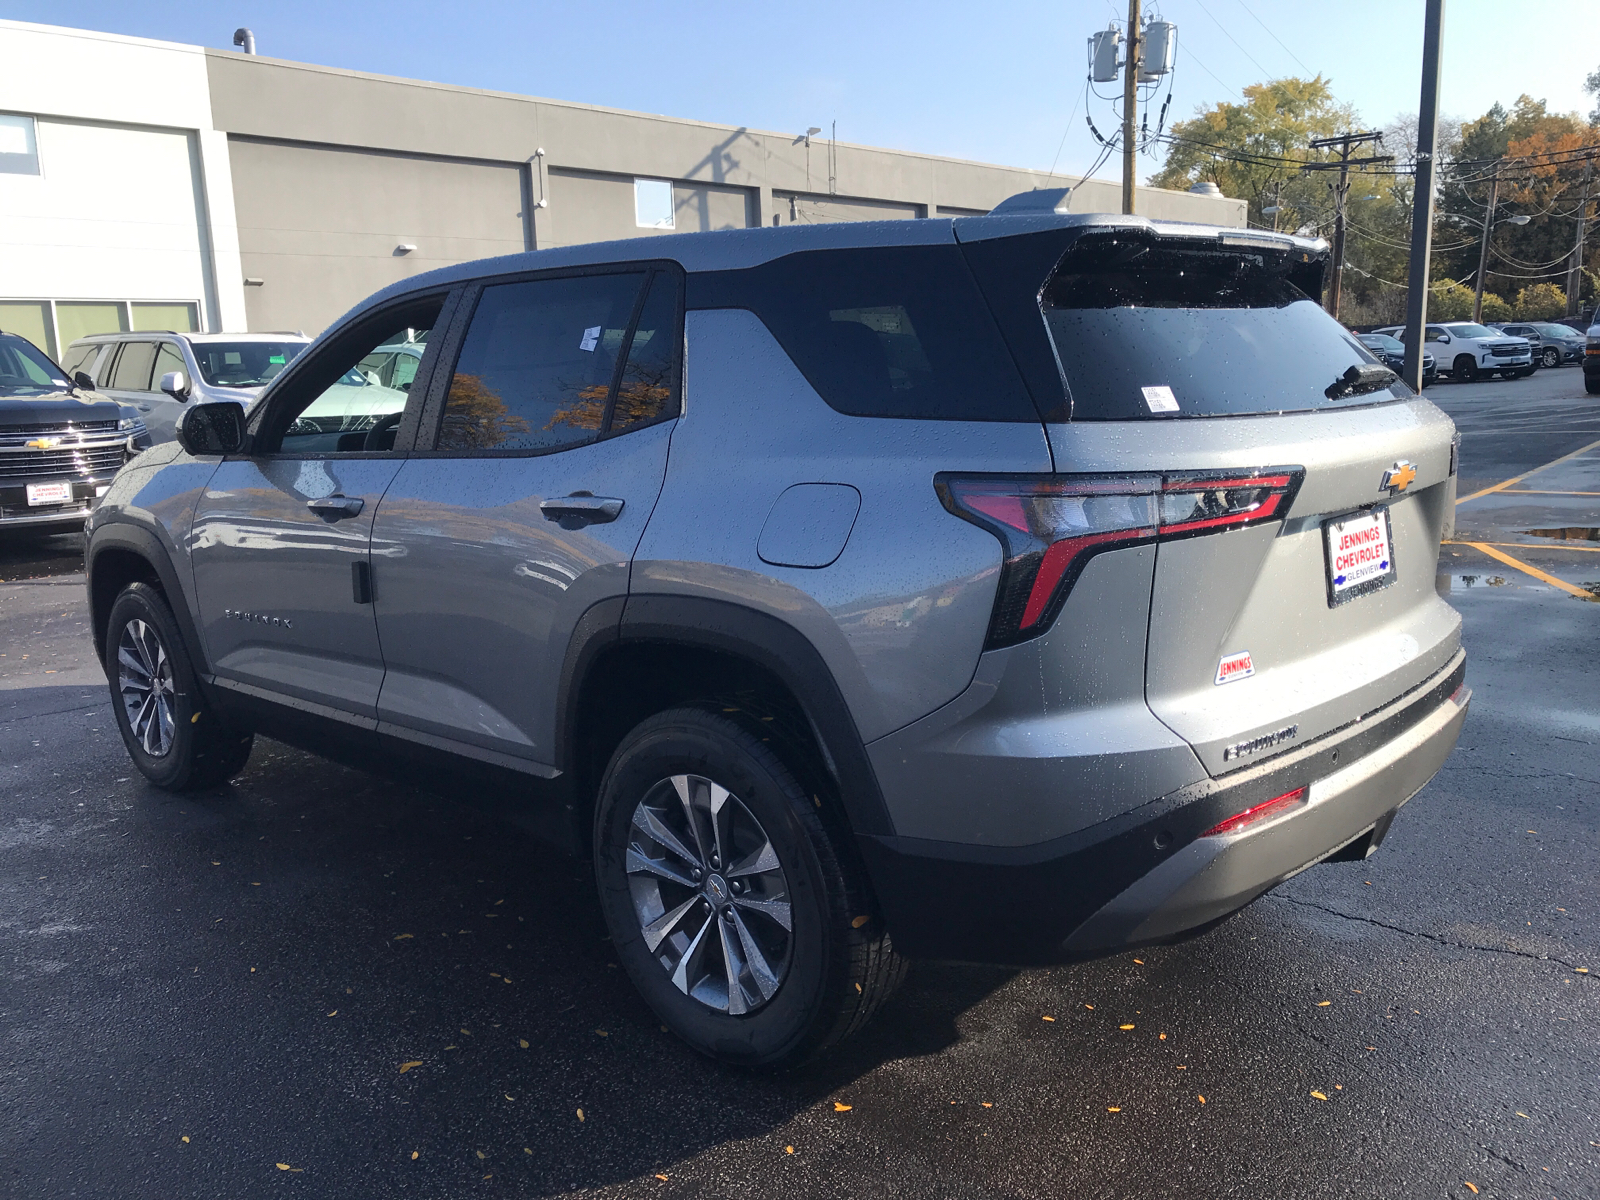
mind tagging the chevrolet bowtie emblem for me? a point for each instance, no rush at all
(43, 443)
(1398, 478)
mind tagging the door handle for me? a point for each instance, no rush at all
(335, 506)
(581, 508)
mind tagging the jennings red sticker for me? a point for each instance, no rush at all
(1235, 666)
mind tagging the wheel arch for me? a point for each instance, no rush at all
(630, 659)
(120, 554)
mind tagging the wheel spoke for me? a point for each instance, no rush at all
(642, 864)
(737, 1004)
(778, 910)
(645, 819)
(719, 807)
(685, 790)
(130, 661)
(759, 863)
(766, 980)
(163, 724)
(680, 976)
(658, 929)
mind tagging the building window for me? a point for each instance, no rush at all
(19, 145)
(652, 203)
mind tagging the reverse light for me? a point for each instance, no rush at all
(1275, 807)
(1052, 525)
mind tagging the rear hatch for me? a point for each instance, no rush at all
(1301, 489)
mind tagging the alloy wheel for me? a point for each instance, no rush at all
(711, 898)
(144, 680)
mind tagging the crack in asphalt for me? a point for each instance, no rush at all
(1432, 937)
(1510, 1162)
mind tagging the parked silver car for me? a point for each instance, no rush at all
(134, 368)
(1019, 588)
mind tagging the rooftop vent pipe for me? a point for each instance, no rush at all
(245, 40)
(1206, 188)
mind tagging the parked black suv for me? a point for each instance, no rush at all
(60, 444)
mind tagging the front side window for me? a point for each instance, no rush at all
(1149, 327)
(243, 364)
(132, 373)
(336, 405)
(537, 368)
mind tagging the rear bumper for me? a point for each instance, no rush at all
(1149, 876)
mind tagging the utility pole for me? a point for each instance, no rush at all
(1483, 247)
(1575, 272)
(1344, 142)
(1130, 103)
(1422, 197)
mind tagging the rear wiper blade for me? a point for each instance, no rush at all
(1359, 380)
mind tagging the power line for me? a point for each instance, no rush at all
(1191, 54)
(1274, 36)
(1064, 133)
(1232, 39)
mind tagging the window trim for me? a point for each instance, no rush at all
(271, 402)
(432, 420)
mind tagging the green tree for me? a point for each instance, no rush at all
(1541, 302)
(1449, 300)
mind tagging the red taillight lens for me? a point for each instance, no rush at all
(1051, 525)
(1239, 822)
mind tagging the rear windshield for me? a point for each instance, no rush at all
(884, 331)
(1149, 327)
(243, 364)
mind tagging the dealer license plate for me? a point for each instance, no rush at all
(1360, 554)
(49, 493)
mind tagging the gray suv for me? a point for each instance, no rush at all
(1020, 588)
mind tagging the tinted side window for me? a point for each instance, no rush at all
(648, 390)
(894, 331)
(537, 366)
(133, 368)
(77, 356)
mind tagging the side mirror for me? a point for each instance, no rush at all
(84, 380)
(216, 428)
(176, 385)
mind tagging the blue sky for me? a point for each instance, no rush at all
(1001, 82)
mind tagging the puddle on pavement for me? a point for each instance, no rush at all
(1446, 583)
(1569, 533)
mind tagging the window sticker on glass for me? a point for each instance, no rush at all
(591, 339)
(276, 359)
(1160, 399)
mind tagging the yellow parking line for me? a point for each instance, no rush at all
(1527, 570)
(1503, 484)
(1531, 546)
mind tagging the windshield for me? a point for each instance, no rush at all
(1380, 341)
(1167, 327)
(1468, 330)
(24, 371)
(1559, 331)
(243, 364)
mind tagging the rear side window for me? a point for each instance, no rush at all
(894, 331)
(168, 358)
(77, 356)
(1148, 327)
(133, 368)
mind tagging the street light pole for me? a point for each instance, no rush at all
(1422, 199)
(1483, 250)
(1130, 104)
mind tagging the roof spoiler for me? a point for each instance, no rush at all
(1039, 200)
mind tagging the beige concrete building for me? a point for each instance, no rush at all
(304, 188)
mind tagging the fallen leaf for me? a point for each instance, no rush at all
(186, 1137)
(499, 901)
(255, 885)
(217, 864)
(858, 987)
(1202, 1099)
(661, 1177)
(508, 1095)
(400, 937)
(452, 1047)
(858, 922)
(1523, 1115)
(1371, 1047)
(580, 1114)
(468, 1032)
(285, 1167)
(413, 1156)
(480, 1153)
(1581, 970)
(1472, 1187)
(494, 974)
(1140, 961)
(1124, 1026)
(1324, 1003)
(1090, 1007)
(406, 1066)
(527, 1149)
(1315, 1095)
(985, 1103)
(334, 1013)
(837, 1107)
(1181, 1067)
(1110, 1109)
(1047, 1018)
(788, 1149)
(523, 1042)
(1162, 1036)
(602, 1033)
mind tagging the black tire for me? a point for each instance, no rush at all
(1465, 369)
(1592, 386)
(837, 964)
(1551, 357)
(198, 748)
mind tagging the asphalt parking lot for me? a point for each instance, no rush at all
(325, 983)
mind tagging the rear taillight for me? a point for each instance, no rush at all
(1052, 525)
(1275, 807)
